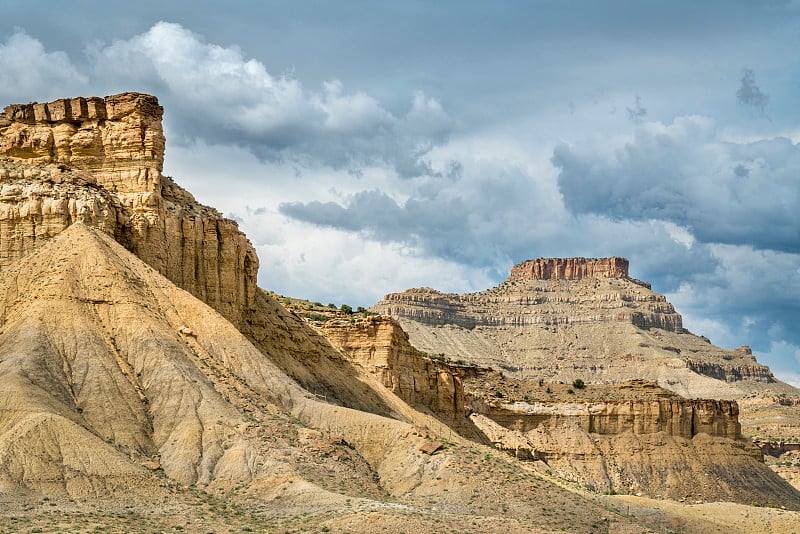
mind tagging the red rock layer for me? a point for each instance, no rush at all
(570, 269)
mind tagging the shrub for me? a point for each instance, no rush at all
(346, 309)
(578, 384)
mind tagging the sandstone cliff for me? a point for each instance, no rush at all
(99, 161)
(116, 384)
(570, 269)
(380, 346)
(564, 319)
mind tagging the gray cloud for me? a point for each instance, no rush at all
(638, 112)
(755, 292)
(749, 94)
(497, 215)
(28, 69)
(724, 192)
(217, 94)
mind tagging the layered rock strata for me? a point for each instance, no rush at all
(656, 443)
(576, 318)
(570, 269)
(683, 418)
(100, 161)
(380, 346)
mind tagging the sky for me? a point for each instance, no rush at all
(368, 147)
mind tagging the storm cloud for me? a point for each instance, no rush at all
(722, 191)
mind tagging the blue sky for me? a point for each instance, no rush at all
(368, 147)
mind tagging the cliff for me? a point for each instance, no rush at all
(634, 438)
(381, 347)
(570, 269)
(99, 161)
(683, 418)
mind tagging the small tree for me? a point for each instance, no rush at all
(346, 309)
(578, 384)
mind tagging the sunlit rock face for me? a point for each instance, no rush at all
(99, 161)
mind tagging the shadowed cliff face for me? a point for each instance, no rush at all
(99, 161)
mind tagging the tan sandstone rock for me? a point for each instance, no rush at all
(115, 147)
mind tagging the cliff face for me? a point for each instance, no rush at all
(564, 319)
(570, 269)
(544, 284)
(99, 160)
(684, 418)
(380, 346)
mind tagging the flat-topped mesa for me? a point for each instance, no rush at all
(99, 161)
(570, 269)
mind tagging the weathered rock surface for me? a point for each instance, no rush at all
(567, 319)
(379, 345)
(116, 382)
(675, 417)
(653, 442)
(99, 160)
(570, 269)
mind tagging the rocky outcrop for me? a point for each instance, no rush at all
(380, 346)
(99, 160)
(654, 443)
(570, 269)
(675, 417)
(540, 292)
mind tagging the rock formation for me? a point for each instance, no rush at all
(570, 269)
(116, 384)
(576, 318)
(380, 346)
(99, 161)
(669, 442)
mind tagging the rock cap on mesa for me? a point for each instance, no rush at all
(570, 268)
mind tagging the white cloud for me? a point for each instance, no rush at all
(29, 72)
(218, 94)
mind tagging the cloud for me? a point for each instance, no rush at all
(31, 72)
(749, 94)
(749, 297)
(637, 113)
(684, 173)
(497, 214)
(217, 94)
